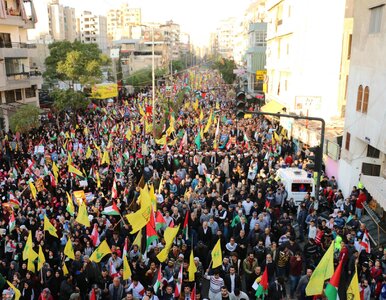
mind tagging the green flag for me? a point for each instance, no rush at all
(197, 140)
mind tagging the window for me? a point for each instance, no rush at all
(260, 38)
(5, 40)
(349, 46)
(365, 100)
(10, 96)
(348, 138)
(30, 93)
(371, 169)
(18, 95)
(279, 15)
(372, 152)
(301, 187)
(359, 98)
(375, 19)
(345, 89)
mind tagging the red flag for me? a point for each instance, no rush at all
(186, 225)
(264, 280)
(267, 204)
(53, 181)
(93, 295)
(193, 293)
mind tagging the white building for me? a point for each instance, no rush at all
(62, 22)
(93, 29)
(19, 81)
(226, 37)
(120, 22)
(364, 140)
(304, 45)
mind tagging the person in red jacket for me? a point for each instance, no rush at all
(359, 204)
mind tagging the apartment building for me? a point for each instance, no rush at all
(19, 80)
(121, 21)
(61, 22)
(93, 29)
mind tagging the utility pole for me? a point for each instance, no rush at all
(318, 156)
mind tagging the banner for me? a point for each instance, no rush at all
(39, 184)
(104, 91)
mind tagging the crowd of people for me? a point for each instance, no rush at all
(220, 177)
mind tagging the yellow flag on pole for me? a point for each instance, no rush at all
(353, 289)
(106, 157)
(161, 141)
(69, 250)
(82, 217)
(100, 252)
(31, 265)
(33, 189)
(49, 227)
(217, 255)
(324, 270)
(126, 269)
(140, 218)
(88, 153)
(28, 247)
(72, 169)
(15, 290)
(70, 205)
(41, 258)
(192, 267)
(138, 239)
(169, 236)
(69, 159)
(209, 123)
(64, 268)
(153, 197)
(55, 170)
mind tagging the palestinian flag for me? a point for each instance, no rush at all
(159, 280)
(159, 221)
(13, 201)
(112, 210)
(151, 234)
(12, 222)
(262, 288)
(185, 229)
(332, 287)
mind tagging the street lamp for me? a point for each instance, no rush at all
(319, 152)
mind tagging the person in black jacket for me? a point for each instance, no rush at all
(232, 280)
(276, 290)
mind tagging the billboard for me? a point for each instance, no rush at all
(104, 91)
(158, 36)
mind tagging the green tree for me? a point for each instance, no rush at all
(69, 100)
(226, 67)
(177, 65)
(142, 78)
(25, 118)
(75, 62)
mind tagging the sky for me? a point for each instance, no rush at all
(198, 17)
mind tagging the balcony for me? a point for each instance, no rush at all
(21, 80)
(19, 13)
(17, 50)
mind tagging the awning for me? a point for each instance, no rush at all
(376, 186)
(272, 107)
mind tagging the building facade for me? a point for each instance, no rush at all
(93, 29)
(61, 22)
(363, 155)
(19, 80)
(120, 22)
(226, 37)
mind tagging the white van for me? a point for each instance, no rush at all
(297, 183)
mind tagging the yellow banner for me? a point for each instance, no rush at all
(104, 91)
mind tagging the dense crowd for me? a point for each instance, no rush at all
(222, 185)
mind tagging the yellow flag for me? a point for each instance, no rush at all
(247, 116)
(216, 255)
(195, 104)
(169, 236)
(141, 110)
(148, 127)
(201, 115)
(31, 265)
(161, 141)
(192, 267)
(82, 217)
(85, 130)
(55, 170)
(69, 250)
(128, 135)
(41, 258)
(28, 246)
(70, 205)
(277, 137)
(209, 123)
(88, 153)
(105, 158)
(98, 179)
(353, 289)
(126, 269)
(161, 184)
(33, 189)
(67, 135)
(64, 268)
(69, 159)
(49, 227)
(96, 146)
(173, 142)
(140, 218)
(72, 169)
(15, 290)
(100, 252)
(324, 270)
(138, 239)
(217, 105)
(153, 198)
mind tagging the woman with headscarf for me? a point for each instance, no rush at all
(27, 292)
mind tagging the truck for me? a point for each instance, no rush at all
(297, 183)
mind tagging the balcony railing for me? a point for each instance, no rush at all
(17, 45)
(23, 75)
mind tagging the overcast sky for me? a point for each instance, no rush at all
(197, 17)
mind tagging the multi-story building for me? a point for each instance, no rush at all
(225, 37)
(255, 57)
(19, 80)
(61, 22)
(93, 29)
(120, 22)
(363, 157)
(171, 33)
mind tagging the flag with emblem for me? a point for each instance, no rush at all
(70, 205)
(49, 227)
(69, 250)
(100, 252)
(95, 236)
(41, 258)
(216, 255)
(192, 267)
(82, 217)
